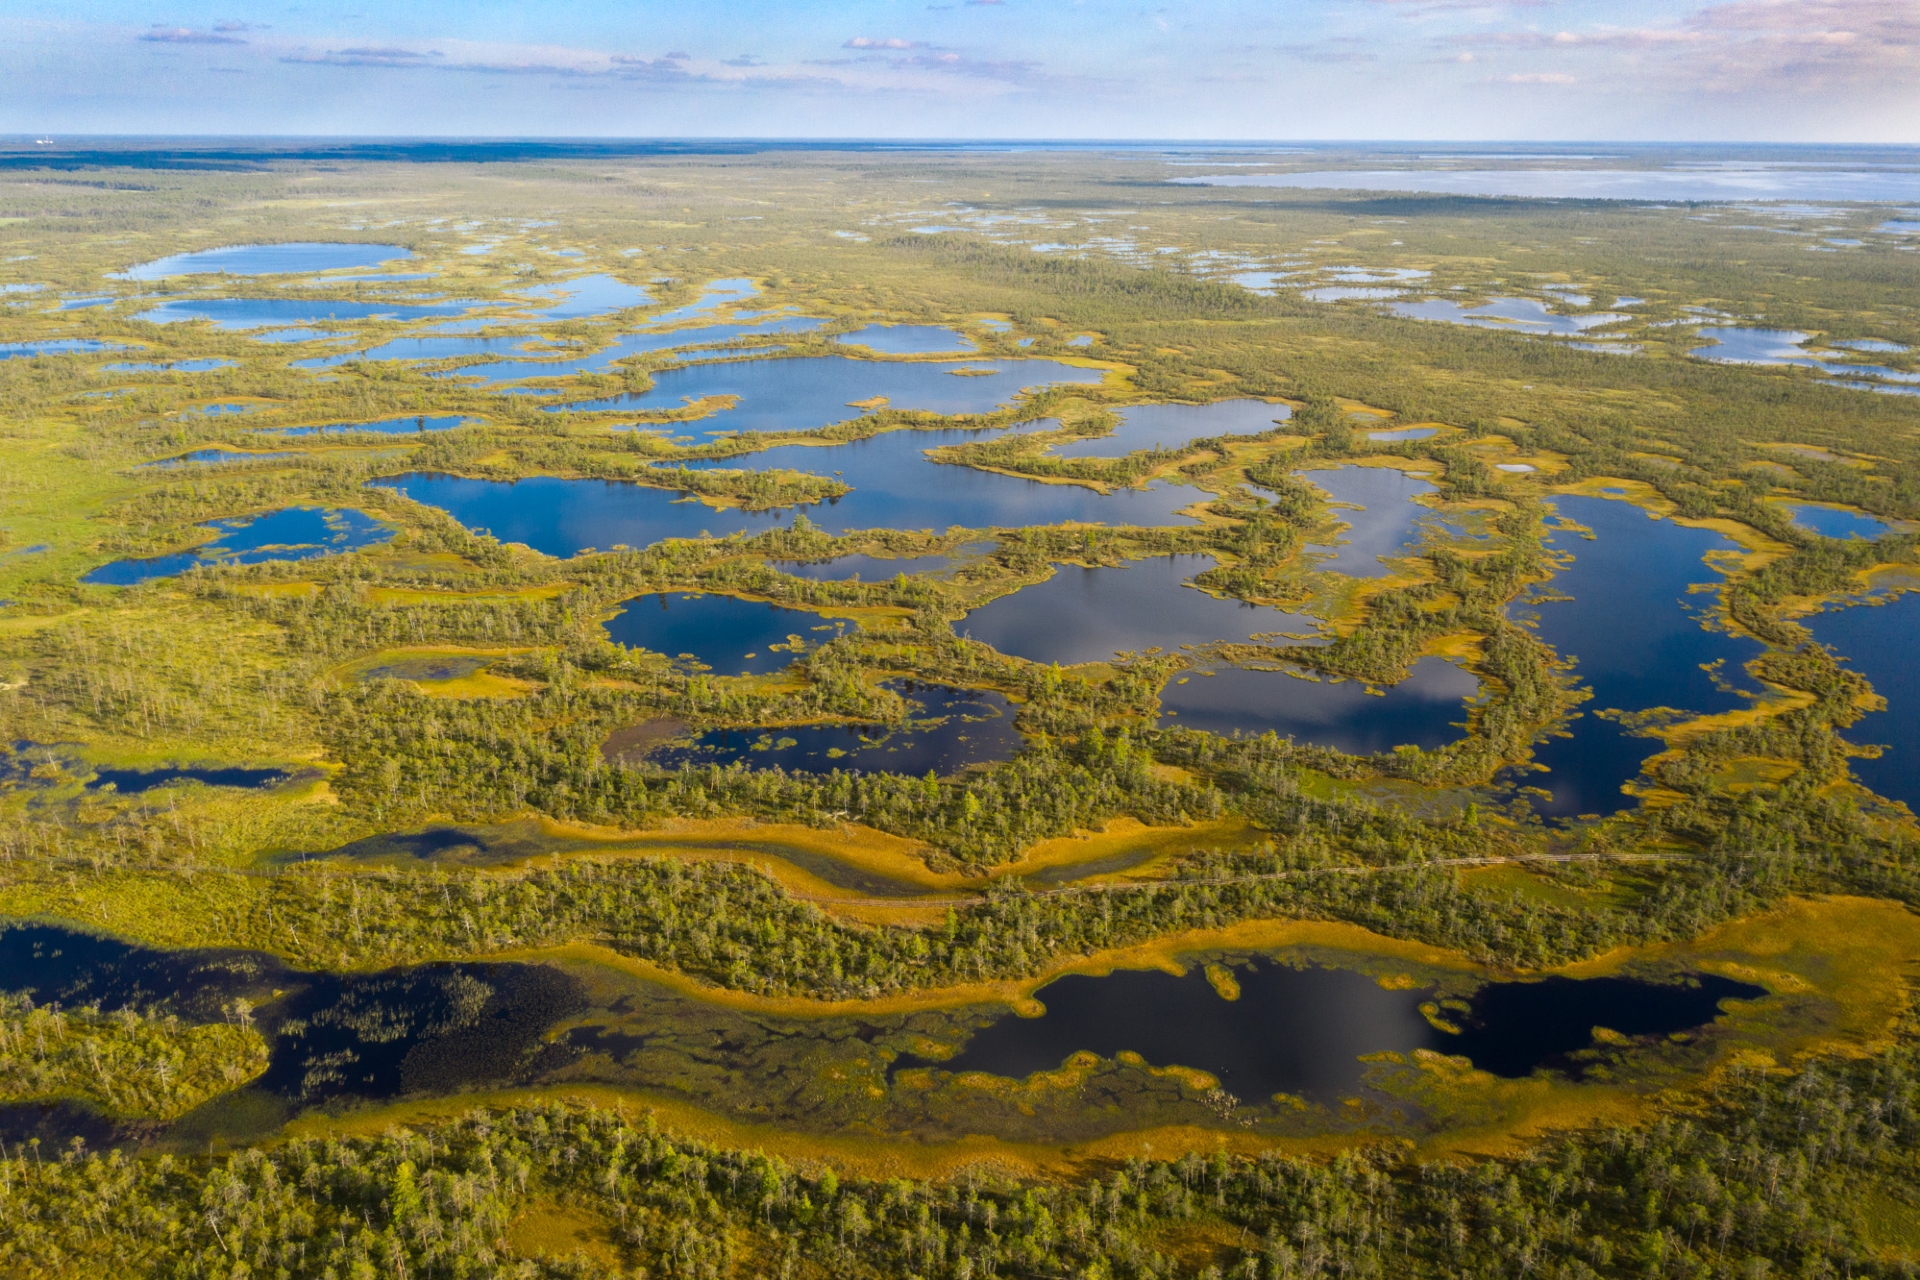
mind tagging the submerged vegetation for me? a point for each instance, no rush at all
(191, 761)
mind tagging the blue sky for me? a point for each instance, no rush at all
(1787, 70)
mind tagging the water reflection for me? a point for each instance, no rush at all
(1524, 315)
(1425, 710)
(1087, 615)
(587, 296)
(1383, 520)
(1171, 426)
(267, 259)
(728, 634)
(293, 533)
(632, 344)
(1624, 614)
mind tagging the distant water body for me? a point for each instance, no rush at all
(1731, 181)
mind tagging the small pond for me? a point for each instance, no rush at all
(804, 393)
(1519, 315)
(140, 781)
(175, 366)
(1304, 1030)
(211, 458)
(728, 634)
(439, 347)
(1087, 615)
(1427, 709)
(908, 339)
(1171, 426)
(267, 259)
(1636, 635)
(54, 347)
(261, 313)
(946, 730)
(384, 426)
(1382, 518)
(293, 533)
(1835, 522)
(1405, 433)
(1876, 637)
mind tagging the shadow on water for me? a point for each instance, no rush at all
(1304, 1030)
(424, 1029)
(1426, 710)
(1089, 615)
(1622, 612)
(947, 729)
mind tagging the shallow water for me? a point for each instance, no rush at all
(1877, 640)
(587, 296)
(54, 347)
(176, 366)
(1149, 426)
(267, 259)
(907, 339)
(384, 426)
(728, 634)
(1832, 522)
(1637, 636)
(1087, 615)
(1382, 517)
(1304, 1030)
(1426, 710)
(1404, 433)
(895, 486)
(632, 344)
(293, 533)
(947, 730)
(1521, 315)
(260, 313)
(803, 393)
(717, 294)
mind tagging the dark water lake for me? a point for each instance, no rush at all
(293, 533)
(908, 339)
(384, 426)
(730, 635)
(1303, 1030)
(895, 486)
(1877, 640)
(1170, 426)
(627, 345)
(1087, 615)
(140, 781)
(947, 730)
(804, 393)
(268, 259)
(1426, 710)
(260, 313)
(1636, 635)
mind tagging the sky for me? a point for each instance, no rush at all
(1727, 70)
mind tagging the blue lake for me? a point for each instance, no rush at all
(907, 339)
(1634, 633)
(728, 634)
(384, 426)
(1380, 512)
(1087, 615)
(267, 259)
(628, 345)
(212, 457)
(429, 348)
(807, 392)
(54, 347)
(140, 781)
(260, 313)
(1834, 522)
(294, 533)
(895, 486)
(717, 294)
(1521, 315)
(1427, 709)
(1877, 640)
(946, 730)
(588, 296)
(1170, 426)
